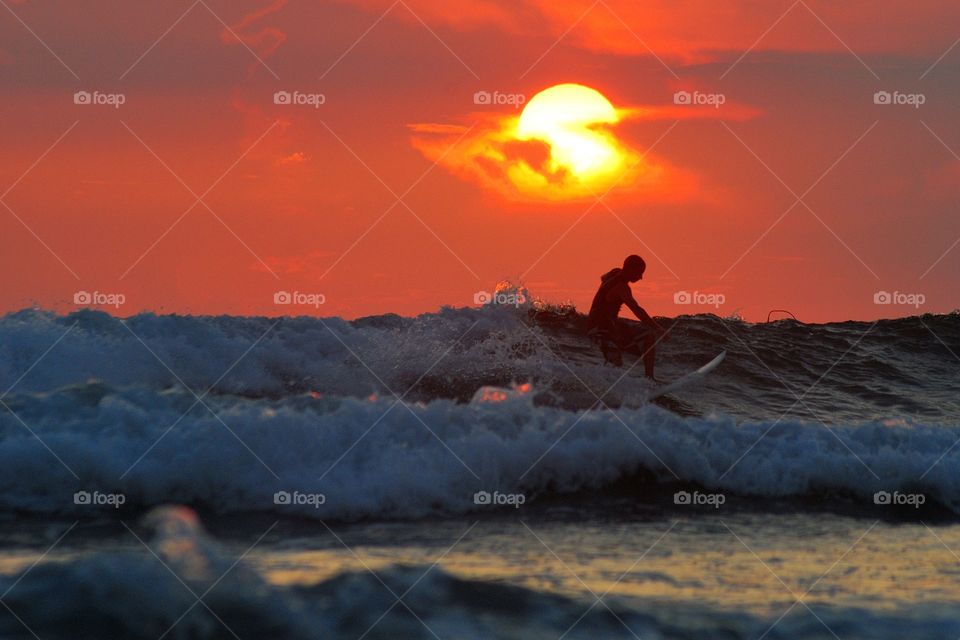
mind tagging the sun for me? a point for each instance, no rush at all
(564, 146)
(574, 120)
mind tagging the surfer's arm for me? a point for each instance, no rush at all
(642, 314)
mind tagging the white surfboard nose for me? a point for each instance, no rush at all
(691, 377)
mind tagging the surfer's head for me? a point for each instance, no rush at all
(633, 268)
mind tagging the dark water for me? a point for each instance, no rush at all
(399, 423)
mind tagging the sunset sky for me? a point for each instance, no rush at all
(399, 193)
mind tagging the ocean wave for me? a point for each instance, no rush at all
(184, 586)
(841, 372)
(446, 354)
(378, 457)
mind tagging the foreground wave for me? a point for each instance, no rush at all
(156, 592)
(373, 418)
(380, 457)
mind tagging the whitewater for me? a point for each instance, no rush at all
(382, 418)
(475, 473)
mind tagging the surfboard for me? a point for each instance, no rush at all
(693, 376)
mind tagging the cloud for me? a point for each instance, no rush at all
(728, 111)
(696, 31)
(701, 30)
(297, 157)
(264, 41)
(438, 128)
(494, 156)
(311, 264)
(468, 14)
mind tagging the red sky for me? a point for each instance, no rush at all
(297, 198)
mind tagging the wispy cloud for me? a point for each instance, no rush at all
(264, 40)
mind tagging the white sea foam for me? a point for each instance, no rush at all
(451, 352)
(302, 419)
(378, 457)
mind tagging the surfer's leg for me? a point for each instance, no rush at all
(608, 347)
(649, 353)
(611, 353)
(639, 341)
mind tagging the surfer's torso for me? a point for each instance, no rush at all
(605, 308)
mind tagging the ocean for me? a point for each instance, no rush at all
(476, 473)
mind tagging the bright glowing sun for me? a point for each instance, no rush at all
(572, 119)
(563, 147)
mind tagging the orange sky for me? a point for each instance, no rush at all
(305, 197)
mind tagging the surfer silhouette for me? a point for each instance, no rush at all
(613, 335)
